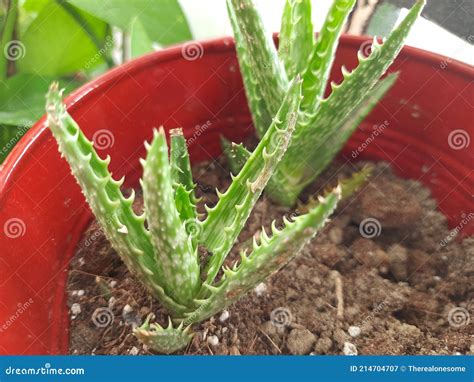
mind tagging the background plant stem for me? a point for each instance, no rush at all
(7, 35)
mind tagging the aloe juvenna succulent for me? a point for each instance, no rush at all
(324, 124)
(161, 246)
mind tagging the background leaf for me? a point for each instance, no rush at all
(140, 43)
(55, 44)
(163, 21)
(22, 98)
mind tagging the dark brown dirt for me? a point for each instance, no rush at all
(376, 280)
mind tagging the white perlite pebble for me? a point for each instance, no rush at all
(75, 309)
(349, 349)
(133, 351)
(260, 289)
(354, 331)
(81, 293)
(127, 309)
(113, 284)
(112, 301)
(224, 316)
(213, 340)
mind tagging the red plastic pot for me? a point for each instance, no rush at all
(43, 213)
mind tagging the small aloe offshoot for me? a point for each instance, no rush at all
(324, 124)
(160, 247)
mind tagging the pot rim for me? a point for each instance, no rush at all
(35, 135)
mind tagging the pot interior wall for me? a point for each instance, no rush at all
(41, 201)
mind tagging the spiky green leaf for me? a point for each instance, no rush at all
(264, 76)
(163, 340)
(125, 230)
(319, 66)
(294, 171)
(296, 36)
(175, 256)
(267, 257)
(236, 155)
(225, 221)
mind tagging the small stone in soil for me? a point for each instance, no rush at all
(75, 309)
(260, 289)
(398, 257)
(300, 341)
(213, 340)
(354, 331)
(349, 349)
(323, 345)
(224, 316)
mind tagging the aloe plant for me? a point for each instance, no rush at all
(160, 247)
(324, 124)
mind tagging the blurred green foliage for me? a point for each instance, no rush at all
(72, 41)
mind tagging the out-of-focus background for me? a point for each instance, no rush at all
(74, 41)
